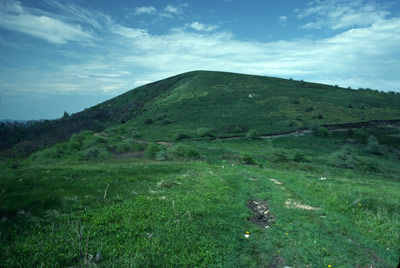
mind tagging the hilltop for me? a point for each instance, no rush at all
(202, 104)
(229, 104)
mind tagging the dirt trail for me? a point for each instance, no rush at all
(306, 131)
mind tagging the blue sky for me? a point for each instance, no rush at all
(58, 56)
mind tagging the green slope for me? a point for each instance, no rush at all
(205, 103)
(228, 104)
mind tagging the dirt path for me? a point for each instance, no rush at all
(304, 131)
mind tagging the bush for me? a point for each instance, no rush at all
(323, 132)
(280, 156)
(248, 160)
(94, 153)
(252, 134)
(181, 152)
(205, 133)
(299, 156)
(151, 150)
(138, 147)
(76, 140)
(344, 158)
(181, 136)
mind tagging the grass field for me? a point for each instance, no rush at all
(331, 201)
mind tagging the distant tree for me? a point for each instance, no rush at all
(350, 105)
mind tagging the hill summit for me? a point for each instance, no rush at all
(227, 104)
(204, 104)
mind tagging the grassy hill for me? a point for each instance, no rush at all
(151, 183)
(230, 104)
(205, 103)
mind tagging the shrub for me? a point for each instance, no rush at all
(151, 150)
(122, 147)
(299, 156)
(182, 152)
(138, 147)
(252, 134)
(345, 158)
(94, 153)
(76, 140)
(205, 133)
(323, 132)
(248, 160)
(181, 136)
(279, 156)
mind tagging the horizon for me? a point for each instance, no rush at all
(60, 57)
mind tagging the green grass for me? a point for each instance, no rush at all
(191, 212)
(242, 102)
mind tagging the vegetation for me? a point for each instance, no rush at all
(227, 104)
(207, 189)
(252, 134)
(147, 213)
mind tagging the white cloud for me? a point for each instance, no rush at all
(148, 10)
(128, 57)
(342, 14)
(282, 20)
(201, 27)
(15, 17)
(172, 9)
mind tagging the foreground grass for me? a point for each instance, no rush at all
(164, 214)
(161, 215)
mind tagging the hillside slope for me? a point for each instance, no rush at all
(225, 104)
(205, 103)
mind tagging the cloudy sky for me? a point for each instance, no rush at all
(58, 56)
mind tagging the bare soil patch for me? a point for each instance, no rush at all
(261, 214)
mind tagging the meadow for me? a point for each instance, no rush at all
(318, 200)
